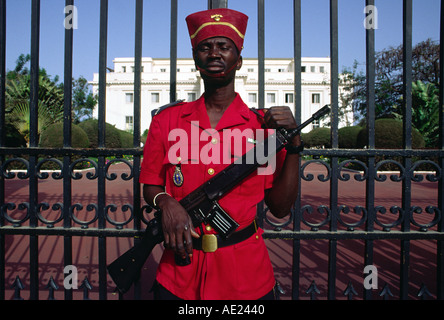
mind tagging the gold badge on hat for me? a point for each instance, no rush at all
(217, 17)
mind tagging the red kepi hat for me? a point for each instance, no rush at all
(217, 23)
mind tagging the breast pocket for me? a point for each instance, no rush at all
(242, 150)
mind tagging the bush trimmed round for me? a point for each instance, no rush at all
(52, 137)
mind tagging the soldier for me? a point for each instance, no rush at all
(239, 268)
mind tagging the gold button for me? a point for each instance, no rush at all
(211, 171)
(208, 228)
(214, 141)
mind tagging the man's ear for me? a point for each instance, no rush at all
(239, 63)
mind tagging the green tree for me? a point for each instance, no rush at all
(425, 114)
(17, 96)
(50, 98)
(389, 77)
(83, 101)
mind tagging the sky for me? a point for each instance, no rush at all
(156, 30)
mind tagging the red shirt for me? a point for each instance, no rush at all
(183, 133)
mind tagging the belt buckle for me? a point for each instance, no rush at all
(209, 243)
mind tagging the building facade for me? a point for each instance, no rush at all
(279, 86)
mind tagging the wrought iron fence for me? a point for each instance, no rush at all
(333, 228)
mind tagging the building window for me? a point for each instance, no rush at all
(281, 70)
(289, 98)
(250, 70)
(271, 98)
(191, 96)
(129, 97)
(303, 68)
(123, 69)
(316, 98)
(313, 69)
(129, 123)
(155, 97)
(315, 124)
(321, 69)
(252, 97)
(267, 70)
(163, 70)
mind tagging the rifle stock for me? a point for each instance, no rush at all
(125, 270)
(199, 204)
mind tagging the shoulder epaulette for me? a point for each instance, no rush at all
(159, 110)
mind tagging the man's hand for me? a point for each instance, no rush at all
(177, 226)
(281, 117)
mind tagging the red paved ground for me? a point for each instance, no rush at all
(314, 253)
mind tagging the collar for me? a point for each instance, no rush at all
(236, 114)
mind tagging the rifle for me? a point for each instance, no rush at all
(202, 206)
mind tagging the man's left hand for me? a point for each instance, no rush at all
(281, 117)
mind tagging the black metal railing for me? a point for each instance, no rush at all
(333, 228)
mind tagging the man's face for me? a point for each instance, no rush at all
(217, 56)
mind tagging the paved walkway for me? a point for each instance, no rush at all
(314, 253)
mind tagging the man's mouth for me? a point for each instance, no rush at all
(215, 67)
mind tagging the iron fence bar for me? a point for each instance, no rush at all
(2, 138)
(370, 183)
(342, 153)
(261, 52)
(101, 185)
(268, 233)
(33, 142)
(136, 125)
(138, 72)
(2, 72)
(440, 244)
(67, 143)
(407, 143)
(216, 4)
(332, 253)
(173, 52)
(297, 34)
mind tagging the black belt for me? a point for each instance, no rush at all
(211, 242)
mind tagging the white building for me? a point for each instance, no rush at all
(279, 86)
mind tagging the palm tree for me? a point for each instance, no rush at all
(50, 102)
(21, 114)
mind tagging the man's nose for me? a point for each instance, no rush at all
(214, 52)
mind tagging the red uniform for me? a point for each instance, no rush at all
(240, 271)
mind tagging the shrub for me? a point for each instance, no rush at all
(112, 134)
(388, 135)
(318, 137)
(126, 139)
(52, 137)
(348, 136)
(13, 137)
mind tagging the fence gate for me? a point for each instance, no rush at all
(67, 223)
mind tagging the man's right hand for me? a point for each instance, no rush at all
(177, 226)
